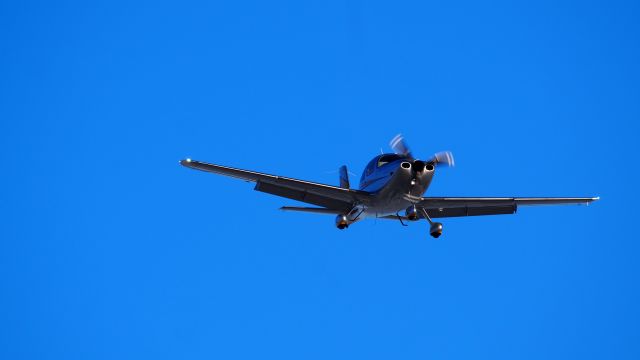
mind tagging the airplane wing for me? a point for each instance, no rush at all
(440, 207)
(330, 197)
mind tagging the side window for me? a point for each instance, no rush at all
(370, 168)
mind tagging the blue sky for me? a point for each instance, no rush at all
(109, 249)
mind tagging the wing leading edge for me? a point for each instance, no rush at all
(327, 196)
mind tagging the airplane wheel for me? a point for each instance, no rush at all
(436, 230)
(342, 222)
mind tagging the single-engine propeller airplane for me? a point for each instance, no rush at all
(390, 183)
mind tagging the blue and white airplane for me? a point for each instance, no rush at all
(390, 184)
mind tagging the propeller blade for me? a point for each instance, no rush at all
(445, 158)
(399, 146)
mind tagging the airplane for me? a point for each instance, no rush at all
(391, 183)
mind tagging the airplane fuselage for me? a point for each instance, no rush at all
(396, 182)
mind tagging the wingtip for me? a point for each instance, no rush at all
(589, 201)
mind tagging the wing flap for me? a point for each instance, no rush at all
(461, 211)
(303, 196)
(471, 211)
(439, 207)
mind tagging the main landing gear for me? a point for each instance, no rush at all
(435, 227)
(342, 222)
(412, 213)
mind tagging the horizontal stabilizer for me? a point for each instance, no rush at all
(311, 210)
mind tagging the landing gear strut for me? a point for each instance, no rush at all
(435, 227)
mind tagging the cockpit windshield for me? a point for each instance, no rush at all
(377, 162)
(385, 159)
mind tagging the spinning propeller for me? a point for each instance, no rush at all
(400, 147)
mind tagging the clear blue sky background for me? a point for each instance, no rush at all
(110, 250)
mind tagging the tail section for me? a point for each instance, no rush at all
(344, 177)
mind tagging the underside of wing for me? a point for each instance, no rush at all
(439, 207)
(329, 197)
